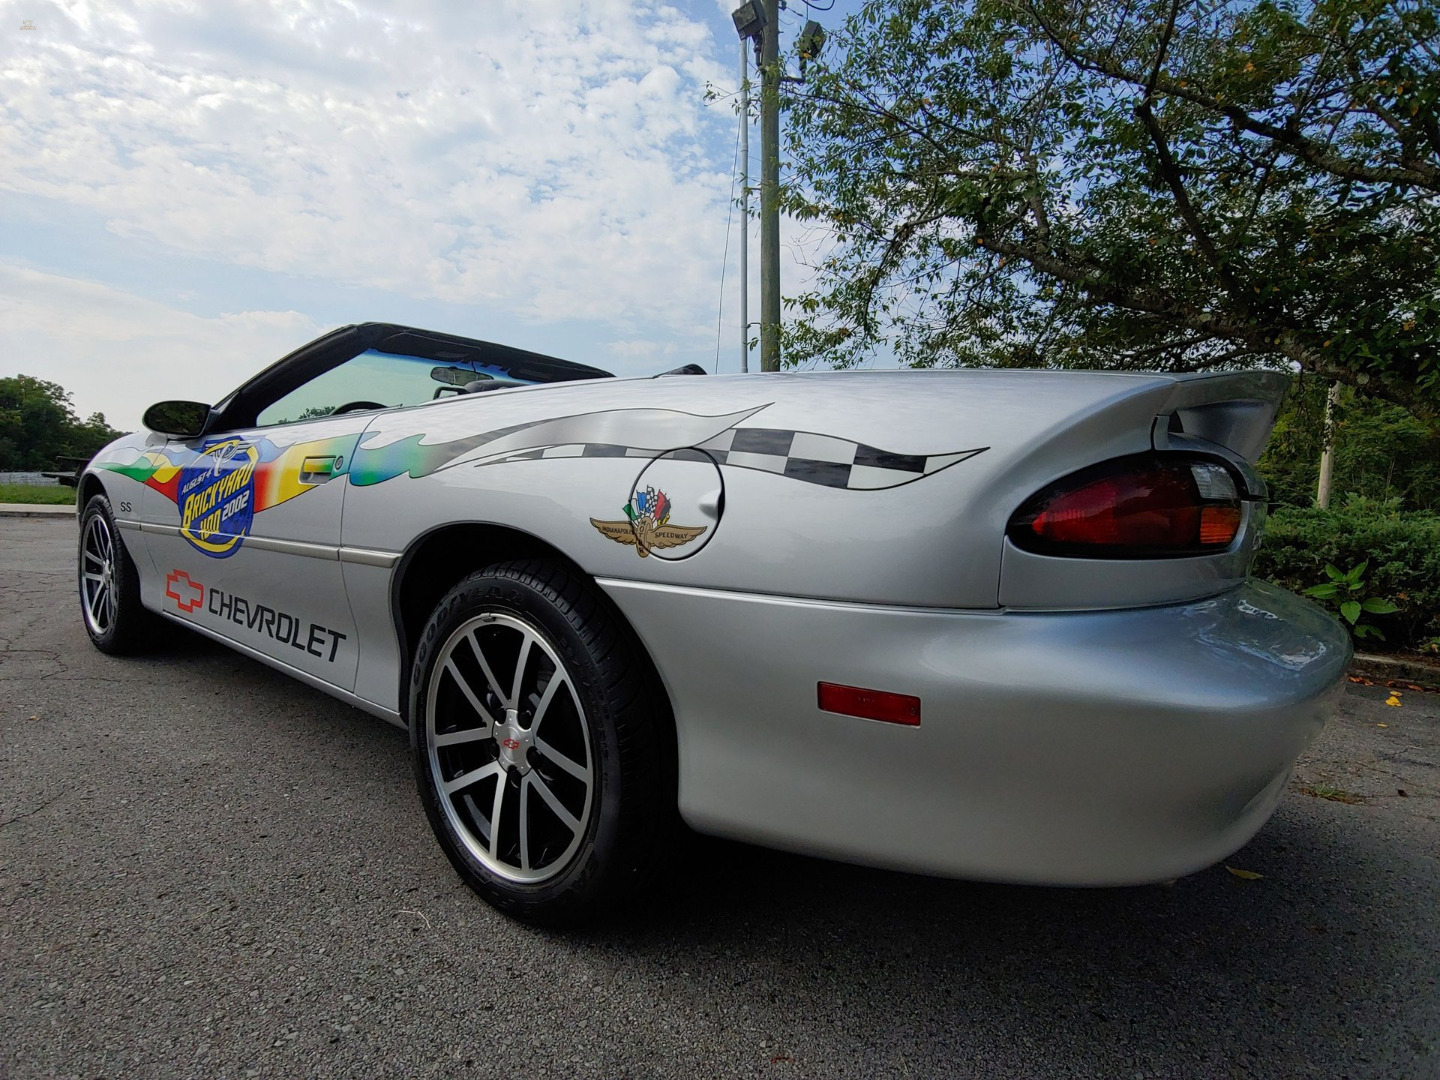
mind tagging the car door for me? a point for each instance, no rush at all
(248, 548)
(244, 529)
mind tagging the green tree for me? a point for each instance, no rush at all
(39, 428)
(1160, 185)
(1382, 453)
(89, 435)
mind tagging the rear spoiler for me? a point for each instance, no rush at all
(1231, 411)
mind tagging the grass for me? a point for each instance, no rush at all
(36, 493)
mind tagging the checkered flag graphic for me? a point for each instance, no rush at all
(825, 459)
(797, 455)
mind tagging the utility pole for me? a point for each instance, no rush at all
(744, 207)
(770, 189)
(1327, 451)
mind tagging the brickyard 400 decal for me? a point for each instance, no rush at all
(217, 491)
(220, 487)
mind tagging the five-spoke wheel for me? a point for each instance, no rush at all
(97, 575)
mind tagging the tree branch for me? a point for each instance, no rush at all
(1417, 173)
(1170, 171)
(1160, 52)
(1167, 346)
(1266, 169)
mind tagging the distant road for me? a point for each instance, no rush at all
(207, 870)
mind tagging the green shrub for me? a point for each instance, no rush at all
(1345, 592)
(1381, 451)
(1402, 549)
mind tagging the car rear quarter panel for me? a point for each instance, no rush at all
(933, 539)
(936, 540)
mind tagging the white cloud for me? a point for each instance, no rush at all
(118, 353)
(547, 157)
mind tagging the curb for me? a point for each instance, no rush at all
(35, 510)
(1420, 672)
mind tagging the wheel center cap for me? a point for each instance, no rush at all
(515, 743)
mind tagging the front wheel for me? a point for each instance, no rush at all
(544, 751)
(109, 584)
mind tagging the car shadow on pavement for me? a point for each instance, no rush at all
(1214, 972)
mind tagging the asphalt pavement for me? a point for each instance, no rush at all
(207, 870)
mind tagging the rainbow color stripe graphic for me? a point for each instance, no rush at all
(220, 487)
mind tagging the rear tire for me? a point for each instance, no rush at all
(533, 706)
(110, 585)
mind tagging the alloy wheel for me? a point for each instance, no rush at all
(509, 748)
(98, 575)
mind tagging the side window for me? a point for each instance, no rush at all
(372, 380)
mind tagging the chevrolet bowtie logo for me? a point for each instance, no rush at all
(178, 586)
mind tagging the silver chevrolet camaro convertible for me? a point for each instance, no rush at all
(987, 624)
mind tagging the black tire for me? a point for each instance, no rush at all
(577, 839)
(110, 607)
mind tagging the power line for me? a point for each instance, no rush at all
(725, 259)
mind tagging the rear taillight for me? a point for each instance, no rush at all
(1147, 506)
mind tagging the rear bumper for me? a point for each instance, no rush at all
(1090, 748)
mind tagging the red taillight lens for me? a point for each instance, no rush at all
(1133, 508)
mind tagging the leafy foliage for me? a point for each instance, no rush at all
(1381, 451)
(1159, 185)
(39, 428)
(1345, 592)
(1398, 555)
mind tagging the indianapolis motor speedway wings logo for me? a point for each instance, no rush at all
(647, 524)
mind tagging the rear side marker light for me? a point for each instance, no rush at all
(1146, 506)
(869, 704)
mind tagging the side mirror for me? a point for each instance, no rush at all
(182, 419)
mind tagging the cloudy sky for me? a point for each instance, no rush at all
(191, 188)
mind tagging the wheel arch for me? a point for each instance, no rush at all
(90, 486)
(435, 561)
(87, 487)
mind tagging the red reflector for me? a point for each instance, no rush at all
(870, 704)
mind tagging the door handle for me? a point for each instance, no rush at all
(316, 470)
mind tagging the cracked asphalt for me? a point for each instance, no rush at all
(207, 870)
